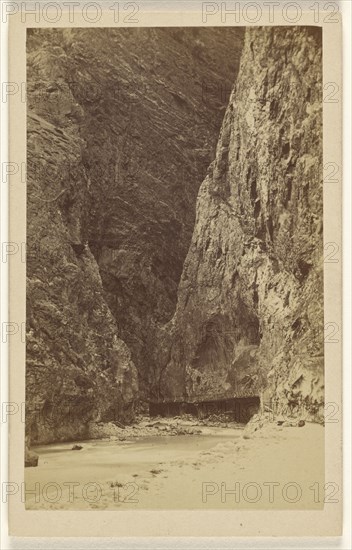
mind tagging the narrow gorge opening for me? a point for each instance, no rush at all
(156, 159)
(133, 297)
(144, 107)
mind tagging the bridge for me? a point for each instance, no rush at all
(239, 408)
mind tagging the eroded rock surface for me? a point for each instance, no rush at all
(250, 303)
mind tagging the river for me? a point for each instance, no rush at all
(218, 469)
(63, 474)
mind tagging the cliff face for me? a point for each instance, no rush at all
(77, 368)
(250, 303)
(122, 124)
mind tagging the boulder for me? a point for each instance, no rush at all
(301, 423)
(31, 459)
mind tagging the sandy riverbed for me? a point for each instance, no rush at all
(276, 467)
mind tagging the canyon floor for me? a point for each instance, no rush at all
(205, 467)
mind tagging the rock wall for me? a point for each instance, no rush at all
(77, 367)
(249, 317)
(122, 124)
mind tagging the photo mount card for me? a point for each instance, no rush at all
(175, 273)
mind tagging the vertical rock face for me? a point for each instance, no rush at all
(250, 302)
(77, 367)
(122, 124)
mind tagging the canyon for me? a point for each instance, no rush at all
(164, 260)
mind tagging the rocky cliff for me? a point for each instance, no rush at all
(249, 317)
(122, 124)
(77, 368)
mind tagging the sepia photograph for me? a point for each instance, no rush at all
(175, 269)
